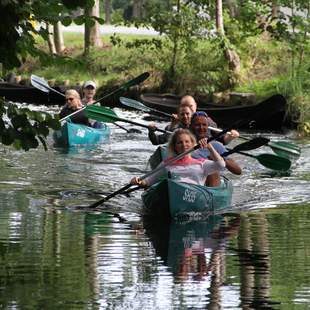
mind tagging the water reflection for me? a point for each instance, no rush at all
(55, 255)
(254, 259)
(195, 253)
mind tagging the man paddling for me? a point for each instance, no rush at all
(199, 127)
(89, 92)
(189, 101)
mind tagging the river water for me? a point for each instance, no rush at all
(55, 253)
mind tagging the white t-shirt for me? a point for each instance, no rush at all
(189, 170)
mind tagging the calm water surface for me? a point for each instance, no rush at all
(57, 254)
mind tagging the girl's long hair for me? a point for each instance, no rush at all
(173, 140)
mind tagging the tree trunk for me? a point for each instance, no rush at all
(219, 18)
(275, 8)
(51, 43)
(58, 38)
(231, 55)
(232, 8)
(92, 33)
(107, 11)
(137, 9)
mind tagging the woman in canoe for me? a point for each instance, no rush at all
(187, 169)
(199, 127)
(73, 104)
(182, 120)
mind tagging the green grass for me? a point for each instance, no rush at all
(266, 68)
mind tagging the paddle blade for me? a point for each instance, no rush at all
(134, 104)
(274, 162)
(101, 114)
(251, 144)
(285, 149)
(39, 83)
(137, 80)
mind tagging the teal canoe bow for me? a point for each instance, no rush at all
(158, 156)
(72, 134)
(169, 199)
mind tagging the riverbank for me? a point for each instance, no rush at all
(265, 68)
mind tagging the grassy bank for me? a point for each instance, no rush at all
(267, 68)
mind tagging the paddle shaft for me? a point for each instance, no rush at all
(49, 88)
(132, 82)
(104, 114)
(61, 94)
(141, 125)
(64, 118)
(272, 145)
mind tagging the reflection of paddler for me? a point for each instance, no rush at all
(197, 251)
(193, 261)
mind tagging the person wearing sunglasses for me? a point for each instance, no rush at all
(190, 102)
(183, 120)
(73, 103)
(200, 128)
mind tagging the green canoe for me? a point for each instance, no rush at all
(72, 134)
(169, 198)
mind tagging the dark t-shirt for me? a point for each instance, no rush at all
(78, 118)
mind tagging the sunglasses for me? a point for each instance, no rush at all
(70, 99)
(200, 113)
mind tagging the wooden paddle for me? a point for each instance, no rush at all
(249, 145)
(41, 84)
(281, 148)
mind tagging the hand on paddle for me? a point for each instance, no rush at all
(214, 155)
(152, 127)
(233, 134)
(138, 181)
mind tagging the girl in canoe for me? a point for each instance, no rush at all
(187, 169)
(73, 104)
(199, 127)
(182, 120)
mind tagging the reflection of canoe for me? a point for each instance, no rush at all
(169, 198)
(268, 114)
(190, 246)
(29, 94)
(76, 134)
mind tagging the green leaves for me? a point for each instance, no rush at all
(23, 128)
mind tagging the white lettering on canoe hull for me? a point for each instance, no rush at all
(189, 196)
(80, 133)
